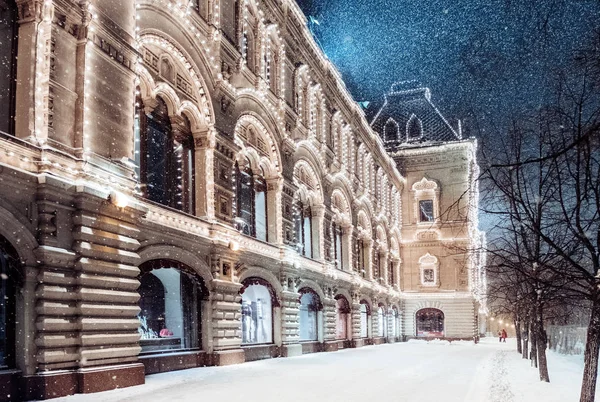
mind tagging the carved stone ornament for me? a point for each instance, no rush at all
(424, 185)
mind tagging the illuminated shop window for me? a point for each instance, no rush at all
(257, 313)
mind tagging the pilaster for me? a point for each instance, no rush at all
(33, 70)
(226, 315)
(204, 145)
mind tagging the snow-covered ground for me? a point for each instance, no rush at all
(415, 371)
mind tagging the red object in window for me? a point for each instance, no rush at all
(164, 333)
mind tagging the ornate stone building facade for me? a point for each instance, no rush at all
(189, 183)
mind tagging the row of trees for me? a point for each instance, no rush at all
(541, 189)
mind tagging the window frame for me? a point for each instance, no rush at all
(192, 326)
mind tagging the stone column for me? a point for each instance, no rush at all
(105, 295)
(33, 69)
(368, 246)
(329, 323)
(290, 325)
(383, 267)
(204, 145)
(396, 269)
(389, 327)
(347, 247)
(375, 319)
(274, 213)
(317, 224)
(25, 322)
(225, 337)
(357, 341)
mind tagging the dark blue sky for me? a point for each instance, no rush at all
(483, 59)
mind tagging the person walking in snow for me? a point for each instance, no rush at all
(499, 336)
(504, 335)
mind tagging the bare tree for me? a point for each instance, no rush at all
(546, 189)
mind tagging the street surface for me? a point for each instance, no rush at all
(415, 371)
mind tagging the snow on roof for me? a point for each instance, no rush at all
(407, 117)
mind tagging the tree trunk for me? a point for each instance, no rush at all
(541, 343)
(590, 370)
(526, 339)
(518, 334)
(533, 339)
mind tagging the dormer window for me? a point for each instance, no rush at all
(414, 128)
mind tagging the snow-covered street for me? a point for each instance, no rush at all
(413, 371)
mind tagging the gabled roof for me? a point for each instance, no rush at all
(408, 118)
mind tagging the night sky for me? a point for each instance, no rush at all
(484, 60)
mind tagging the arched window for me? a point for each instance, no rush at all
(391, 276)
(364, 319)
(390, 130)
(9, 281)
(8, 64)
(361, 257)
(310, 304)
(251, 201)
(170, 304)
(430, 322)
(376, 263)
(274, 71)
(304, 229)
(260, 206)
(342, 314)
(382, 321)
(257, 312)
(338, 248)
(184, 153)
(414, 128)
(166, 158)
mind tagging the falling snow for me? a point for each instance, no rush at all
(482, 59)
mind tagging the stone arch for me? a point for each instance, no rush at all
(250, 103)
(16, 233)
(381, 237)
(307, 283)
(174, 253)
(363, 224)
(189, 37)
(259, 272)
(307, 150)
(340, 205)
(346, 294)
(308, 181)
(250, 132)
(203, 111)
(369, 303)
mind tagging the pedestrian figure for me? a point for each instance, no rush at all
(504, 335)
(499, 336)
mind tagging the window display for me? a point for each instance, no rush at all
(381, 319)
(257, 315)
(430, 322)
(8, 265)
(342, 313)
(170, 310)
(308, 315)
(364, 319)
